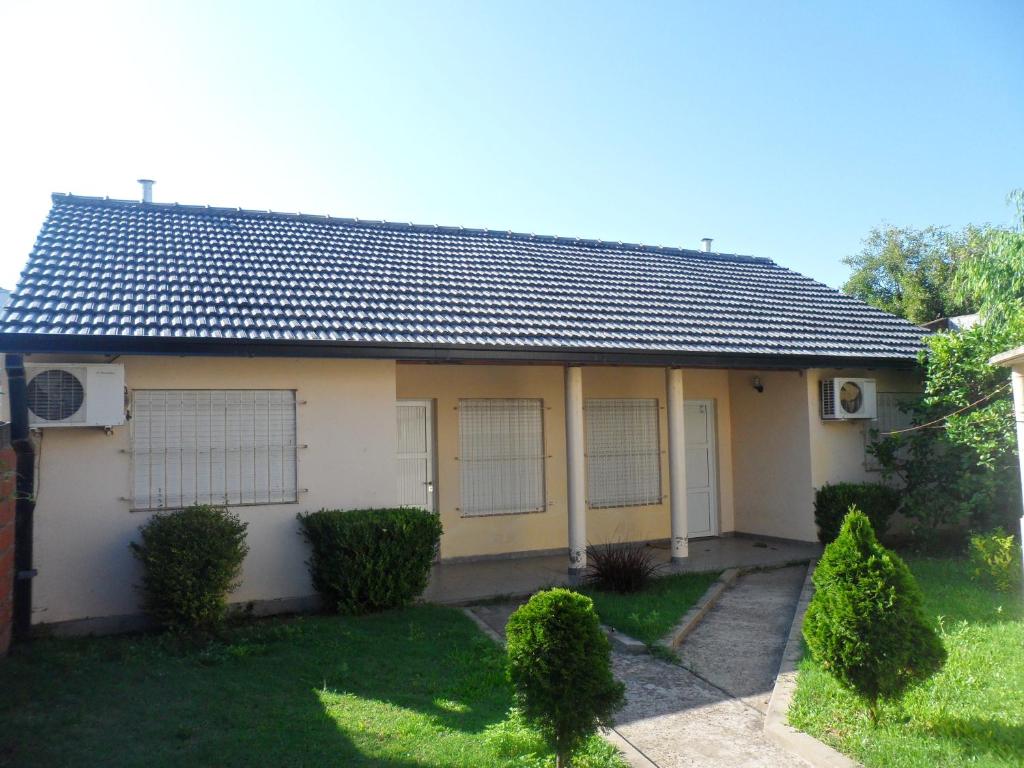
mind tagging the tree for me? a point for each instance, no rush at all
(959, 463)
(865, 624)
(559, 662)
(994, 276)
(911, 272)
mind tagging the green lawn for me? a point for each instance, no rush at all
(650, 614)
(419, 687)
(972, 713)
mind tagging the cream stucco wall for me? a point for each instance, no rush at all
(837, 447)
(772, 448)
(83, 522)
(772, 454)
(783, 450)
(489, 535)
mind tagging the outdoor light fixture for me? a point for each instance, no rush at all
(756, 382)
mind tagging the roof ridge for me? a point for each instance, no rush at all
(68, 197)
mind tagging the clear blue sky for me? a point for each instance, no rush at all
(785, 130)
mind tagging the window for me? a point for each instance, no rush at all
(212, 447)
(623, 453)
(501, 461)
(891, 417)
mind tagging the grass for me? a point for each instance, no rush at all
(648, 615)
(971, 713)
(413, 688)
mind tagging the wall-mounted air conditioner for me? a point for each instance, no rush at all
(75, 395)
(848, 399)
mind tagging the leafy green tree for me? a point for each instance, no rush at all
(865, 624)
(960, 462)
(911, 272)
(559, 662)
(994, 277)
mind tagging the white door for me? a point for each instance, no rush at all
(701, 480)
(416, 454)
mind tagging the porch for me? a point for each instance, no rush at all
(471, 581)
(543, 460)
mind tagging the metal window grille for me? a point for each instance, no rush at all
(213, 447)
(501, 447)
(891, 416)
(623, 453)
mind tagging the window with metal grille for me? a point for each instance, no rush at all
(623, 453)
(212, 447)
(501, 456)
(891, 416)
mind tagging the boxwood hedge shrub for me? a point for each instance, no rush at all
(366, 560)
(191, 560)
(865, 624)
(559, 663)
(832, 502)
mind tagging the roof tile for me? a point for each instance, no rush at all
(120, 268)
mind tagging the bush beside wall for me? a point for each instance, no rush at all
(832, 502)
(366, 560)
(192, 559)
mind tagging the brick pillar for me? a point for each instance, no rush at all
(7, 483)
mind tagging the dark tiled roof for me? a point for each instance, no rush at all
(113, 269)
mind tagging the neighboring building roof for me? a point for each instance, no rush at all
(1010, 358)
(954, 323)
(122, 276)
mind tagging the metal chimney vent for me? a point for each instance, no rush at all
(705, 244)
(147, 190)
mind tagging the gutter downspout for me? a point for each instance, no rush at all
(24, 508)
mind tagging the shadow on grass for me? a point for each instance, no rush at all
(977, 736)
(402, 689)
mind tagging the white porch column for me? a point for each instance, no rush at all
(575, 471)
(1017, 379)
(677, 462)
(1014, 360)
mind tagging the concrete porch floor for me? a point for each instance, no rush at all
(472, 581)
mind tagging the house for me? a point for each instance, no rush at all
(539, 393)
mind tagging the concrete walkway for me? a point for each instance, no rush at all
(739, 644)
(710, 711)
(677, 720)
(712, 716)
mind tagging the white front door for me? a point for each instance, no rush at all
(701, 480)
(416, 454)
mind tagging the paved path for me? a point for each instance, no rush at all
(676, 719)
(739, 644)
(711, 717)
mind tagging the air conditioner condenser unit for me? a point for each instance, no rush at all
(73, 395)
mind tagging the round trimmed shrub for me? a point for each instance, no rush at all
(191, 560)
(559, 662)
(865, 624)
(832, 502)
(366, 560)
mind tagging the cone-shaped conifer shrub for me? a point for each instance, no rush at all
(866, 625)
